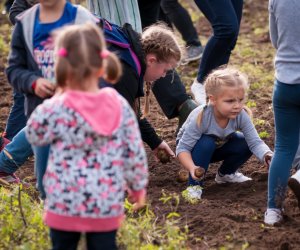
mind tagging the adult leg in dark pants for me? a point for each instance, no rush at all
(183, 22)
(224, 17)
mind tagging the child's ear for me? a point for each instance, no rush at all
(150, 59)
(211, 99)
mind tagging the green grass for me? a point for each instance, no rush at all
(22, 227)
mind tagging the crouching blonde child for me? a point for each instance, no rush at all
(96, 148)
(220, 131)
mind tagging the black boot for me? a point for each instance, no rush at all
(185, 109)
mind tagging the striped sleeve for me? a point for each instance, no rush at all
(118, 12)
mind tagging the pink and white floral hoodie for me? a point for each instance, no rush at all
(96, 154)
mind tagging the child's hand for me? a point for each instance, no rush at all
(267, 159)
(138, 202)
(44, 88)
(197, 173)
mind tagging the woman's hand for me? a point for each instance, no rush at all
(165, 147)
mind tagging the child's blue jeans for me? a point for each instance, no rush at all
(15, 153)
(16, 119)
(286, 104)
(40, 165)
(234, 153)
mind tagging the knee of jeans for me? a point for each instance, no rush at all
(243, 148)
(226, 31)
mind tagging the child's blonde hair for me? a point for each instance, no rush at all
(84, 52)
(224, 77)
(161, 41)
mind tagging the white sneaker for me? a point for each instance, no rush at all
(232, 178)
(198, 91)
(294, 185)
(272, 216)
(194, 192)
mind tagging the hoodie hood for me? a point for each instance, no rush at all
(102, 110)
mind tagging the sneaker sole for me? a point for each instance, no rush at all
(187, 61)
(294, 185)
(223, 182)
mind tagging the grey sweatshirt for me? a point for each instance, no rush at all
(285, 37)
(190, 132)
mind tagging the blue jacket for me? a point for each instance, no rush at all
(22, 70)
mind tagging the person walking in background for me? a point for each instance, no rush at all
(284, 33)
(220, 131)
(179, 16)
(96, 147)
(224, 17)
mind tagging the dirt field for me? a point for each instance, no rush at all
(229, 215)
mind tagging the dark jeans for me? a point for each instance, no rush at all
(224, 17)
(286, 104)
(182, 21)
(62, 240)
(16, 119)
(234, 153)
(170, 93)
(149, 11)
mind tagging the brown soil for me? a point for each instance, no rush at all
(229, 214)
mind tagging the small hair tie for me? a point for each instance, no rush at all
(62, 52)
(104, 54)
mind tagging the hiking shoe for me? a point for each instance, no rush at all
(193, 53)
(273, 216)
(236, 177)
(198, 92)
(8, 179)
(3, 142)
(294, 184)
